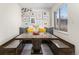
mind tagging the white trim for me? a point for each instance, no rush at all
(66, 33)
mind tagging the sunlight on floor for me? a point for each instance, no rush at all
(45, 48)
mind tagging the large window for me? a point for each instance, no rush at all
(60, 18)
(63, 17)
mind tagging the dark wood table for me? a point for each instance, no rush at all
(36, 39)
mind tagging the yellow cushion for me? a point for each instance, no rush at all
(30, 29)
(42, 30)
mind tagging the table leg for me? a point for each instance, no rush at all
(36, 46)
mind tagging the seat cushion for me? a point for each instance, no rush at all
(13, 44)
(60, 44)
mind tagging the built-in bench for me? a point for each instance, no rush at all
(61, 47)
(13, 47)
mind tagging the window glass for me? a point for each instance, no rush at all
(63, 17)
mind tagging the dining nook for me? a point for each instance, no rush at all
(39, 29)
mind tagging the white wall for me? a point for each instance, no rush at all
(74, 25)
(10, 20)
(72, 35)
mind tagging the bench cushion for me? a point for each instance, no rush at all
(60, 44)
(13, 44)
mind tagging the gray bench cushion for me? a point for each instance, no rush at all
(60, 44)
(13, 44)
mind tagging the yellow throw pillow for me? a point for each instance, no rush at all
(30, 29)
(42, 30)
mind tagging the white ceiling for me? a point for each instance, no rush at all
(36, 5)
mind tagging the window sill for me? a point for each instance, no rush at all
(66, 33)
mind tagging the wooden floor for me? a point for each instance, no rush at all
(45, 48)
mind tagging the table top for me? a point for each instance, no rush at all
(31, 36)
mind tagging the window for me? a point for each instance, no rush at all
(60, 18)
(63, 17)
